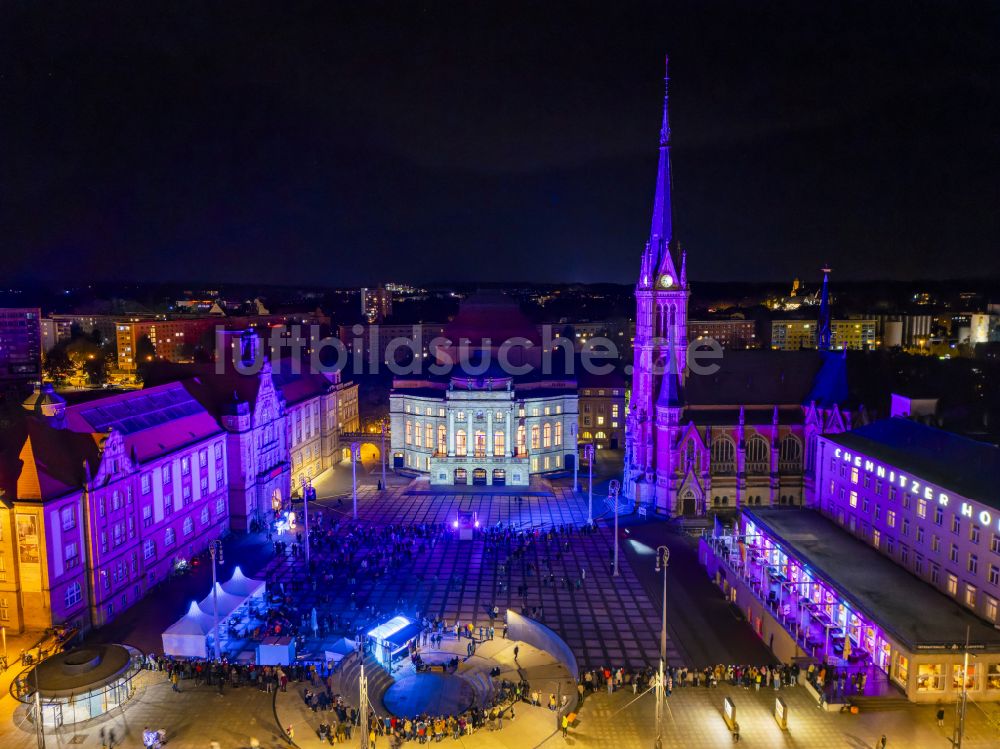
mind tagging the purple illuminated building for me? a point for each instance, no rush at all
(742, 434)
(101, 500)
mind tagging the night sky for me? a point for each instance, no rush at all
(341, 143)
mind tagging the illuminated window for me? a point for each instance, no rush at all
(952, 584)
(480, 444)
(498, 443)
(418, 437)
(409, 432)
(442, 446)
(536, 439)
(930, 677)
(854, 498)
(854, 474)
(558, 433)
(922, 508)
(547, 435)
(970, 596)
(992, 610)
(876, 537)
(890, 518)
(461, 443)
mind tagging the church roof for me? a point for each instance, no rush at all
(965, 466)
(761, 378)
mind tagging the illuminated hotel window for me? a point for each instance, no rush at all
(854, 498)
(922, 508)
(890, 518)
(970, 595)
(876, 537)
(854, 475)
(992, 606)
(952, 584)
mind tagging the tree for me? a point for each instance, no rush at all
(57, 365)
(145, 353)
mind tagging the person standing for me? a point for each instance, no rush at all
(565, 727)
(940, 716)
(736, 732)
(881, 742)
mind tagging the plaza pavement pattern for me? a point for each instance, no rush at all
(608, 621)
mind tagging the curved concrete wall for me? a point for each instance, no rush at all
(538, 635)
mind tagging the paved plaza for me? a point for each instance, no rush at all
(605, 621)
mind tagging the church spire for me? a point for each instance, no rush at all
(661, 232)
(823, 328)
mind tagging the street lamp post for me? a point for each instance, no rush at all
(215, 550)
(363, 707)
(382, 455)
(573, 430)
(613, 488)
(306, 488)
(662, 557)
(588, 452)
(355, 454)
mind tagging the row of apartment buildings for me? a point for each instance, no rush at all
(102, 500)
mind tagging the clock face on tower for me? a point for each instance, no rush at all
(666, 281)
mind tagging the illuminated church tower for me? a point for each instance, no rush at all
(660, 346)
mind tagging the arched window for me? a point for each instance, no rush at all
(429, 436)
(723, 455)
(498, 443)
(418, 436)
(547, 435)
(204, 515)
(600, 436)
(442, 439)
(690, 456)
(480, 444)
(522, 446)
(168, 537)
(409, 432)
(790, 454)
(758, 455)
(558, 430)
(461, 443)
(536, 441)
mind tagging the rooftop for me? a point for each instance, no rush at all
(908, 608)
(965, 466)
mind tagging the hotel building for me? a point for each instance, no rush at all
(927, 499)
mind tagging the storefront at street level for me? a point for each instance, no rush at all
(814, 592)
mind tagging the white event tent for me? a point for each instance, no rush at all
(189, 636)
